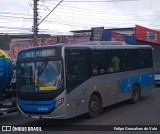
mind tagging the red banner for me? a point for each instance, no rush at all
(117, 37)
(18, 45)
(49, 41)
(146, 34)
(72, 40)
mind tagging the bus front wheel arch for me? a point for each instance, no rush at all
(136, 94)
(94, 106)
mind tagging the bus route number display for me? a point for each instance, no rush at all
(38, 53)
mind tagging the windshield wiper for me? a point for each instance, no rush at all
(42, 67)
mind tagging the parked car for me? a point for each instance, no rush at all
(157, 77)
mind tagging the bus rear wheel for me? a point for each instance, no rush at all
(136, 93)
(94, 106)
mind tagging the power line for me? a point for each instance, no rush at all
(73, 20)
(19, 28)
(102, 12)
(50, 12)
(97, 17)
(81, 25)
(123, 18)
(100, 1)
(155, 21)
(96, 11)
(16, 17)
(11, 13)
(89, 16)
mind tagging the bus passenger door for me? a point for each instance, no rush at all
(76, 79)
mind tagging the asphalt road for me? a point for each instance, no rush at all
(145, 112)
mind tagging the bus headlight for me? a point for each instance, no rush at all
(59, 102)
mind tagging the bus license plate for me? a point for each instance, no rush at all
(7, 104)
(35, 117)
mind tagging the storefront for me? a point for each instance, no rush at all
(137, 35)
(149, 37)
(113, 36)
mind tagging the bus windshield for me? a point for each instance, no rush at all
(40, 76)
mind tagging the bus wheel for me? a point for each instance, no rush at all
(136, 93)
(94, 106)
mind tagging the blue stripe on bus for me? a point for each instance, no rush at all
(37, 106)
(144, 81)
(36, 102)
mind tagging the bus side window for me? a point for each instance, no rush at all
(76, 69)
(116, 63)
(110, 68)
(82, 68)
(76, 73)
(129, 66)
(71, 74)
(94, 69)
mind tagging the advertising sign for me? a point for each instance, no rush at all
(83, 34)
(18, 45)
(117, 37)
(21, 44)
(97, 33)
(49, 41)
(72, 40)
(113, 36)
(146, 34)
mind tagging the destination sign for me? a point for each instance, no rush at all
(38, 53)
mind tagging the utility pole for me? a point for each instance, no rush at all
(35, 22)
(35, 19)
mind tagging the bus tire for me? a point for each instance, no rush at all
(94, 106)
(136, 93)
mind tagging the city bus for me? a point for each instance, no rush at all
(64, 81)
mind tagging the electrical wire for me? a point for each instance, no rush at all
(145, 18)
(82, 10)
(76, 17)
(100, 1)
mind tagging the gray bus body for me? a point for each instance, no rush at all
(93, 86)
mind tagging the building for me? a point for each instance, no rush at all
(137, 35)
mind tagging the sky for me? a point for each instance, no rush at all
(16, 16)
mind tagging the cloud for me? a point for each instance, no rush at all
(83, 15)
(2, 4)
